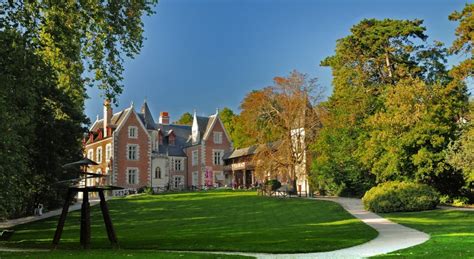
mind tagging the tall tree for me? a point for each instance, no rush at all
(375, 57)
(463, 44)
(39, 129)
(282, 119)
(50, 51)
(460, 153)
(72, 36)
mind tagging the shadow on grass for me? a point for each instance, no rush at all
(210, 221)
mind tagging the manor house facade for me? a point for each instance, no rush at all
(134, 151)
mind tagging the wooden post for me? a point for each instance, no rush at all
(245, 178)
(85, 221)
(59, 229)
(107, 219)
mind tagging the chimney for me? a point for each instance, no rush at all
(164, 118)
(107, 116)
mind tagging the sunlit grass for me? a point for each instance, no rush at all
(210, 221)
(451, 233)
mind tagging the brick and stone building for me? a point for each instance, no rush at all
(135, 151)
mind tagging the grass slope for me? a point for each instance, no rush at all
(451, 233)
(210, 221)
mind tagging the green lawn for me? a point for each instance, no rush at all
(113, 254)
(210, 221)
(452, 233)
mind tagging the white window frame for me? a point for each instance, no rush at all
(108, 152)
(90, 154)
(98, 155)
(177, 164)
(221, 156)
(132, 132)
(178, 183)
(137, 152)
(217, 137)
(195, 157)
(135, 176)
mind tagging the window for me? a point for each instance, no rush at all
(132, 132)
(132, 176)
(195, 157)
(177, 164)
(99, 155)
(217, 137)
(90, 154)
(178, 181)
(108, 152)
(158, 172)
(195, 178)
(171, 140)
(217, 157)
(132, 152)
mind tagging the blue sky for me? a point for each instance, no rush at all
(208, 54)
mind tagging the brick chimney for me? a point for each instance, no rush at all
(107, 116)
(164, 118)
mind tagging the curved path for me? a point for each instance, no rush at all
(392, 236)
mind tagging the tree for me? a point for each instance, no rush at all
(409, 137)
(460, 153)
(185, 119)
(463, 44)
(39, 129)
(372, 60)
(282, 119)
(50, 51)
(73, 35)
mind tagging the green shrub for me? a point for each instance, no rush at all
(400, 196)
(445, 199)
(460, 201)
(275, 184)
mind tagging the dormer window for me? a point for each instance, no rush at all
(160, 138)
(132, 132)
(172, 140)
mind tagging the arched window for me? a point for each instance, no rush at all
(158, 172)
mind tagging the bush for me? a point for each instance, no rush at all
(400, 196)
(275, 184)
(460, 201)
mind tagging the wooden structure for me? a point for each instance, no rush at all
(85, 234)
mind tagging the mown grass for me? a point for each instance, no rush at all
(209, 221)
(76, 254)
(451, 233)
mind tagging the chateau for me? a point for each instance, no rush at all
(134, 151)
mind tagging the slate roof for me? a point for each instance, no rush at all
(182, 133)
(203, 123)
(116, 119)
(146, 117)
